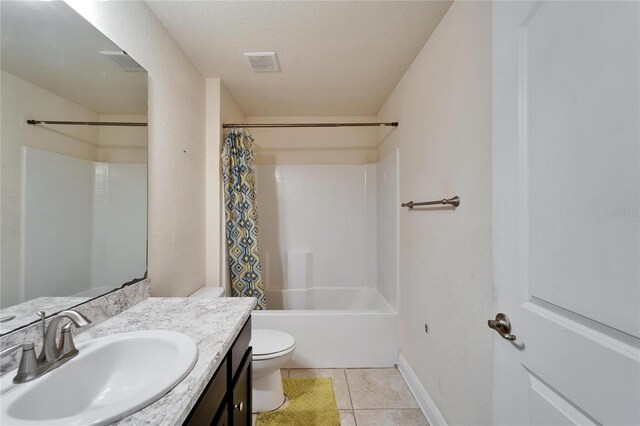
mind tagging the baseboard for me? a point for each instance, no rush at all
(428, 407)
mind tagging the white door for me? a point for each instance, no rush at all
(566, 190)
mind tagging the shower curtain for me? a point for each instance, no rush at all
(241, 215)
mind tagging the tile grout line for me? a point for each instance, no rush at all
(353, 410)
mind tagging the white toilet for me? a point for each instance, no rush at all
(271, 351)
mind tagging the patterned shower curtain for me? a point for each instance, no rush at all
(241, 215)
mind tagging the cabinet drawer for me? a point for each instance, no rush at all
(241, 394)
(213, 396)
(239, 348)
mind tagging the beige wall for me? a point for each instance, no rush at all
(20, 101)
(221, 108)
(230, 112)
(176, 143)
(443, 104)
(343, 145)
(122, 144)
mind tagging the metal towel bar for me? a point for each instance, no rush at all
(453, 201)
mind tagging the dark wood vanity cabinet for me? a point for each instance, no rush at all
(226, 400)
(241, 394)
(223, 418)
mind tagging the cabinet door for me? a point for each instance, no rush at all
(239, 349)
(241, 400)
(223, 417)
(211, 399)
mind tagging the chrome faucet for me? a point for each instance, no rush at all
(53, 354)
(53, 351)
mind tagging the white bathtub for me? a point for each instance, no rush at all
(334, 327)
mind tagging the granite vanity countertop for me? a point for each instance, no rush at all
(212, 323)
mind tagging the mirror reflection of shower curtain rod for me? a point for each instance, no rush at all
(269, 125)
(88, 123)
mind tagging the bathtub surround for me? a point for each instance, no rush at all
(176, 142)
(299, 270)
(318, 239)
(329, 299)
(443, 103)
(97, 310)
(98, 209)
(119, 237)
(241, 217)
(317, 221)
(58, 193)
(329, 226)
(387, 201)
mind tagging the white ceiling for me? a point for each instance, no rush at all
(337, 57)
(48, 44)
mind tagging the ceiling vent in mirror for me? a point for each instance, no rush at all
(122, 60)
(263, 61)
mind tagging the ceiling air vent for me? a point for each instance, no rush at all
(122, 60)
(263, 61)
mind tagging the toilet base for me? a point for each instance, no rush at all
(267, 394)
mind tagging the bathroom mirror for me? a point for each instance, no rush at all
(73, 206)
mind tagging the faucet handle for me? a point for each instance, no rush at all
(28, 362)
(66, 340)
(26, 346)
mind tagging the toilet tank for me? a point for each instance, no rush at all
(209, 292)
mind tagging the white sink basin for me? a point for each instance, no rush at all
(112, 377)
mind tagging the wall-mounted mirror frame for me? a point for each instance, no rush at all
(73, 211)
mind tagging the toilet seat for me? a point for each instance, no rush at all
(269, 344)
(273, 355)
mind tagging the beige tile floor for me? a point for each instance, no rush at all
(369, 396)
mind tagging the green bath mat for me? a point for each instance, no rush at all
(311, 403)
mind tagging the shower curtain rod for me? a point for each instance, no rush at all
(88, 123)
(270, 125)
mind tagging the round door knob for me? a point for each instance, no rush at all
(239, 407)
(503, 326)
